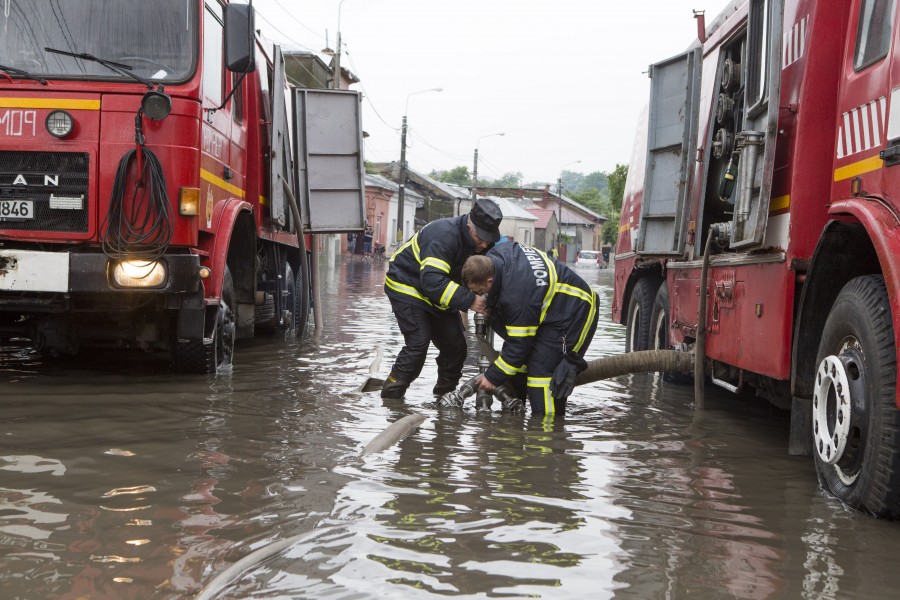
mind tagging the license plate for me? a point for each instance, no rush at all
(16, 210)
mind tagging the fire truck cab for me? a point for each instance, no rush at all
(765, 163)
(160, 180)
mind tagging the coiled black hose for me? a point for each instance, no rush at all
(142, 228)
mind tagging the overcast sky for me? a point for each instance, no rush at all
(564, 80)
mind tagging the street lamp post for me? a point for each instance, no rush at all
(402, 195)
(475, 165)
(559, 202)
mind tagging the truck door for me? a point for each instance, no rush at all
(215, 170)
(755, 141)
(281, 169)
(671, 146)
(329, 160)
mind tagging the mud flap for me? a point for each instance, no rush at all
(800, 442)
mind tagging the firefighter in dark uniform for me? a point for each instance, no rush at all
(426, 298)
(546, 315)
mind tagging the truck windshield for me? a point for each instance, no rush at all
(157, 39)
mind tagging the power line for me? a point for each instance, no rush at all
(288, 13)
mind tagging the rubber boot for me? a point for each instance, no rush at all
(445, 385)
(393, 388)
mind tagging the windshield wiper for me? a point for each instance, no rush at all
(120, 68)
(22, 73)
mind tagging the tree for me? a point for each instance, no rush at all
(509, 180)
(610, 232)
(591, 199)
(457, 175)
(597, 180)
(617, 186)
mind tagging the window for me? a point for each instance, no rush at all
(212, 54)
(757, 92)
(873, 35)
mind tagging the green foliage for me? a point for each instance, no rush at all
(617, 186)
(590, 198)
(370, 168)
(458, 175)
(508, 180)
(610, 232)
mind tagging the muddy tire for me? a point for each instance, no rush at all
(297, 302)
(214, 355)
(640, 308)
(659, 332)
(856, 423)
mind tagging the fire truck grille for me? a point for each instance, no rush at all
(44, 191)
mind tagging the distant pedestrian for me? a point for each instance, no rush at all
(367, 242)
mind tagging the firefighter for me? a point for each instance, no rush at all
(426, 298)
(546, 315)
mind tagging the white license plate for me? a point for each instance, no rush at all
(16, 210)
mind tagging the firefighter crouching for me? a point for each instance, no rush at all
(546, 315)
(422, 283)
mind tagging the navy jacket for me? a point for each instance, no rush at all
(532, 292)
(425, 270)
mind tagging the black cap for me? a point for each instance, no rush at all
(486, 217)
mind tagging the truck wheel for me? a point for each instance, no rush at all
(659, 320)
(214, 355)
(659, 332)
(296, 301)
(301, 301)
(640, 307)
(856, 423)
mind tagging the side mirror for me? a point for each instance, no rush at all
(239, 38)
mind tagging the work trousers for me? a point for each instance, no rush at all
(548, 352)
(420, 327)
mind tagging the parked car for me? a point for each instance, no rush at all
(589, 258)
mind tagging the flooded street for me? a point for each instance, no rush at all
(119, 480)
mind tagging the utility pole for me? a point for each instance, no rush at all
(475, 165)
(401, 196)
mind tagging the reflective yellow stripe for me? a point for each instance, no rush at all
(221, 183)
(505, 366)
(551, 289)
(543, 383)
(411, 241)
(587, 324)
(57, 103)
(415, 248)
(437, 263)
(448, 294)
(873, 163)
(405, 289)
(571, 290)
(524, 331)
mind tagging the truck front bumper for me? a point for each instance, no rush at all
(69, 272)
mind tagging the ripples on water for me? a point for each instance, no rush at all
(121, 481)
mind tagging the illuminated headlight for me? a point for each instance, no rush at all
(60, 123)
(139, 273)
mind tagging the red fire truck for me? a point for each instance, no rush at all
(159, 180)
(765, 165)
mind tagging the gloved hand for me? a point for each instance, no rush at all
(563, 381)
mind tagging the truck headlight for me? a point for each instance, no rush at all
(59, 123)
(139, 273)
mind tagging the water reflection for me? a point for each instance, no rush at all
(121, 481)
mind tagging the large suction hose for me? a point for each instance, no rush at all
(667, 361)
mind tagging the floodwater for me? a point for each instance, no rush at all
(119, 481)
